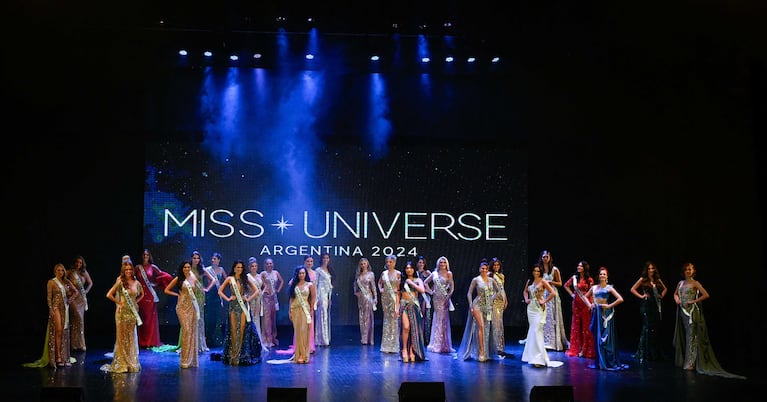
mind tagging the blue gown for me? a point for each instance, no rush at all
(603, 328)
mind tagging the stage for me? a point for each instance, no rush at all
(348, 371)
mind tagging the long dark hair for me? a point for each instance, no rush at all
(181, 277)
(294, 280)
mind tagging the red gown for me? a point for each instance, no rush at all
(149, 331)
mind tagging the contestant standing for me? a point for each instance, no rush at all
(188, 311)
(324, 298)
(413, 348)
(441, 286)
(126, 293)
(476, 342)
(388, 286)
(603, 323)
(367, 298)
(537, 294)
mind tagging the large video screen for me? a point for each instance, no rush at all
(260, 186)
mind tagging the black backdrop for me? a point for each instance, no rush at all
(642, 145)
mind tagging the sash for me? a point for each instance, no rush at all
(66, 302)
(131, 303)
(390, 288)
(212, 273)
(413, 299)
(487, 293)
(578, 290)
(499, 282)
(148, 284)
(442, 289)
(255, 282)
(238, 295)
(656, 295)
(326, 276)
(366, 292)
(189, 289)
(693, 307)
(426, 297)
(304, 305)
(274, 292)
(82, 289)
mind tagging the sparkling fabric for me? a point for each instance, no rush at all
(692, 347)
(390, 335)
(475, 343)
(322, 314)
(187, 319)
(410, 308)
(649, 348)
(554, 332)
(270, 303)
(241, 344)
(301, 328)
(126, 349)
(77, 314)
(496, 325)
(256, 305)
(426, 308)
(365, 305)
(581, 339)
(56, 344)
(441, 340)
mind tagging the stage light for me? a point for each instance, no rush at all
(374, 58)
(233, 57)
(496, 59)
(207, 53)
(425, 59)
(309, 56)
(257, 56)
(182, 52)
(449, 59)
(471, 60)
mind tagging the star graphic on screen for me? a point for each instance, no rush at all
(282, 224)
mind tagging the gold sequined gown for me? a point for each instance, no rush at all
(126, 349)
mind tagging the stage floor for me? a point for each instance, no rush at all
(348, 371)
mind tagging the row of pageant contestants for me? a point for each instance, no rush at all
(593, 334)
(416, 303)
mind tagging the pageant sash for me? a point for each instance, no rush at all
(442, 289)
(131, 303)
(238, 295)
(390, 288)
(260, 294)
(413, 299)
(365, 292)
(148, 284)
(81, 285)
(189, 289)
(578, 291)
(304, 305)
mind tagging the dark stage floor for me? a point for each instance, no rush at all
(347, 371)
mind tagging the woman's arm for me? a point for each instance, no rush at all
(618, 298)
(139, 292)
(665, 289)
(472, 286)
(221, 290)
(635, 292)
(169, 289)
